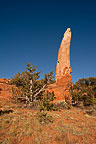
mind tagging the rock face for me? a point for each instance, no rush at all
(63, 61)
(5, 89)
(62, 76)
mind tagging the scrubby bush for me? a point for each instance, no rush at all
(84, 91)
(46, 103)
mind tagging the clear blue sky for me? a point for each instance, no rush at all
(32, 30)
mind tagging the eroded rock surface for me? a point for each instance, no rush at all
(62, 76)
(5, 88)
(63, 61)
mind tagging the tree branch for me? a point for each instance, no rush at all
(40, 90)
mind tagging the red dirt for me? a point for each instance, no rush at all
(22, 127)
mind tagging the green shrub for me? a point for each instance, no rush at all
(84, 91)
(46, 103)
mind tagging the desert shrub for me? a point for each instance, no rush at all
(84, 91)
(46, 103)
(43, 117)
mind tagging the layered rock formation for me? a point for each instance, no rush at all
(62, 77)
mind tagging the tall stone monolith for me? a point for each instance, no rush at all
(63, 61)
(63, 84)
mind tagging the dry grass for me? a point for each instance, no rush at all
(21, 126)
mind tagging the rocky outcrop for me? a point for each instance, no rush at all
(5, 88)
(4, 81)
(63, 61)
(62, 76)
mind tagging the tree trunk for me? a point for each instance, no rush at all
(31, 90)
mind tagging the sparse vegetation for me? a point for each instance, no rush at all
(61, 105)
(29, 126)
(43, 117)
(29, 88)
(46, 125)
(84, 92)
(46, 103)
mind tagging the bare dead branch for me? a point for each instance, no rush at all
(40, 90)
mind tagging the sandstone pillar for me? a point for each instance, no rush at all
(63, 61)
(63, 84)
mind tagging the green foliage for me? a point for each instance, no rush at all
(49, 78)
(46, 103)
(84, 91)
(91, 81)
(24, 78)
(26, 82)
(29, 86)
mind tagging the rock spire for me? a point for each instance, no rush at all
(63, 61)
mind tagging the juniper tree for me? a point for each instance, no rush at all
(29, 84)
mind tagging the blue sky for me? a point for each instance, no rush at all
(31, 31)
